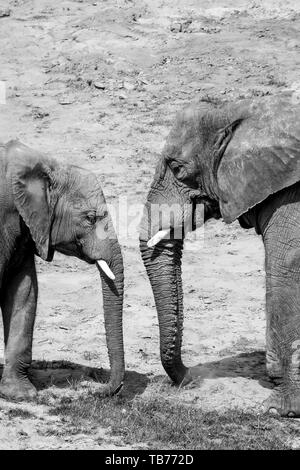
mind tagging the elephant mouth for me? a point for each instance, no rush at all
(188, 220)
(158, 237)
(69, 250)
(103, 267)
(76, 249)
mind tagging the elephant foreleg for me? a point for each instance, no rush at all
(18, 304)
(282, 246)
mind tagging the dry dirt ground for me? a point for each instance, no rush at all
(98, 83)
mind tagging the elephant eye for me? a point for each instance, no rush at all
(92, 219)
(178, 170)
(175, 167)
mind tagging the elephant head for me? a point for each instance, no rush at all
(228, 158)
(64, 209)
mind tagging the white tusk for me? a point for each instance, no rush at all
(105, 268)
(158, 237)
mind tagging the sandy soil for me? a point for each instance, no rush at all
(98, 84)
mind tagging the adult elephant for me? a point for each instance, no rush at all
(240, 160)
(46, 206)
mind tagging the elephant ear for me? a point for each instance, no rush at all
(262, 158)
(31, 182)
(222, 139)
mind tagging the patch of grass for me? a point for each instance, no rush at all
(19, 413)
(164, 425)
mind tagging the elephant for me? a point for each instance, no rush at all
(47, 206)
(238, 160)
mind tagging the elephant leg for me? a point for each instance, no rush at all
(18, 306)
(282, 245)
(274, 365)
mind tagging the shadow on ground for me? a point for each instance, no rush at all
(250, 365)
(65, 374)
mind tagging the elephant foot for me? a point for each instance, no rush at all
(17, 389)
(283, 404)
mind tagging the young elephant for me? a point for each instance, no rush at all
(46, 206)
(240, 160)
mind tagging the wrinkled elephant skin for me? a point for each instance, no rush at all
(239, 160)
(46, 206)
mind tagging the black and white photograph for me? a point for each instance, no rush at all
(150, 227)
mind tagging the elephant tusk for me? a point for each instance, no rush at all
(158, 237)
(105, 268)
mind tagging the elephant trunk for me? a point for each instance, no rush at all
(113, 310)
(163, 266)
(168, 206)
